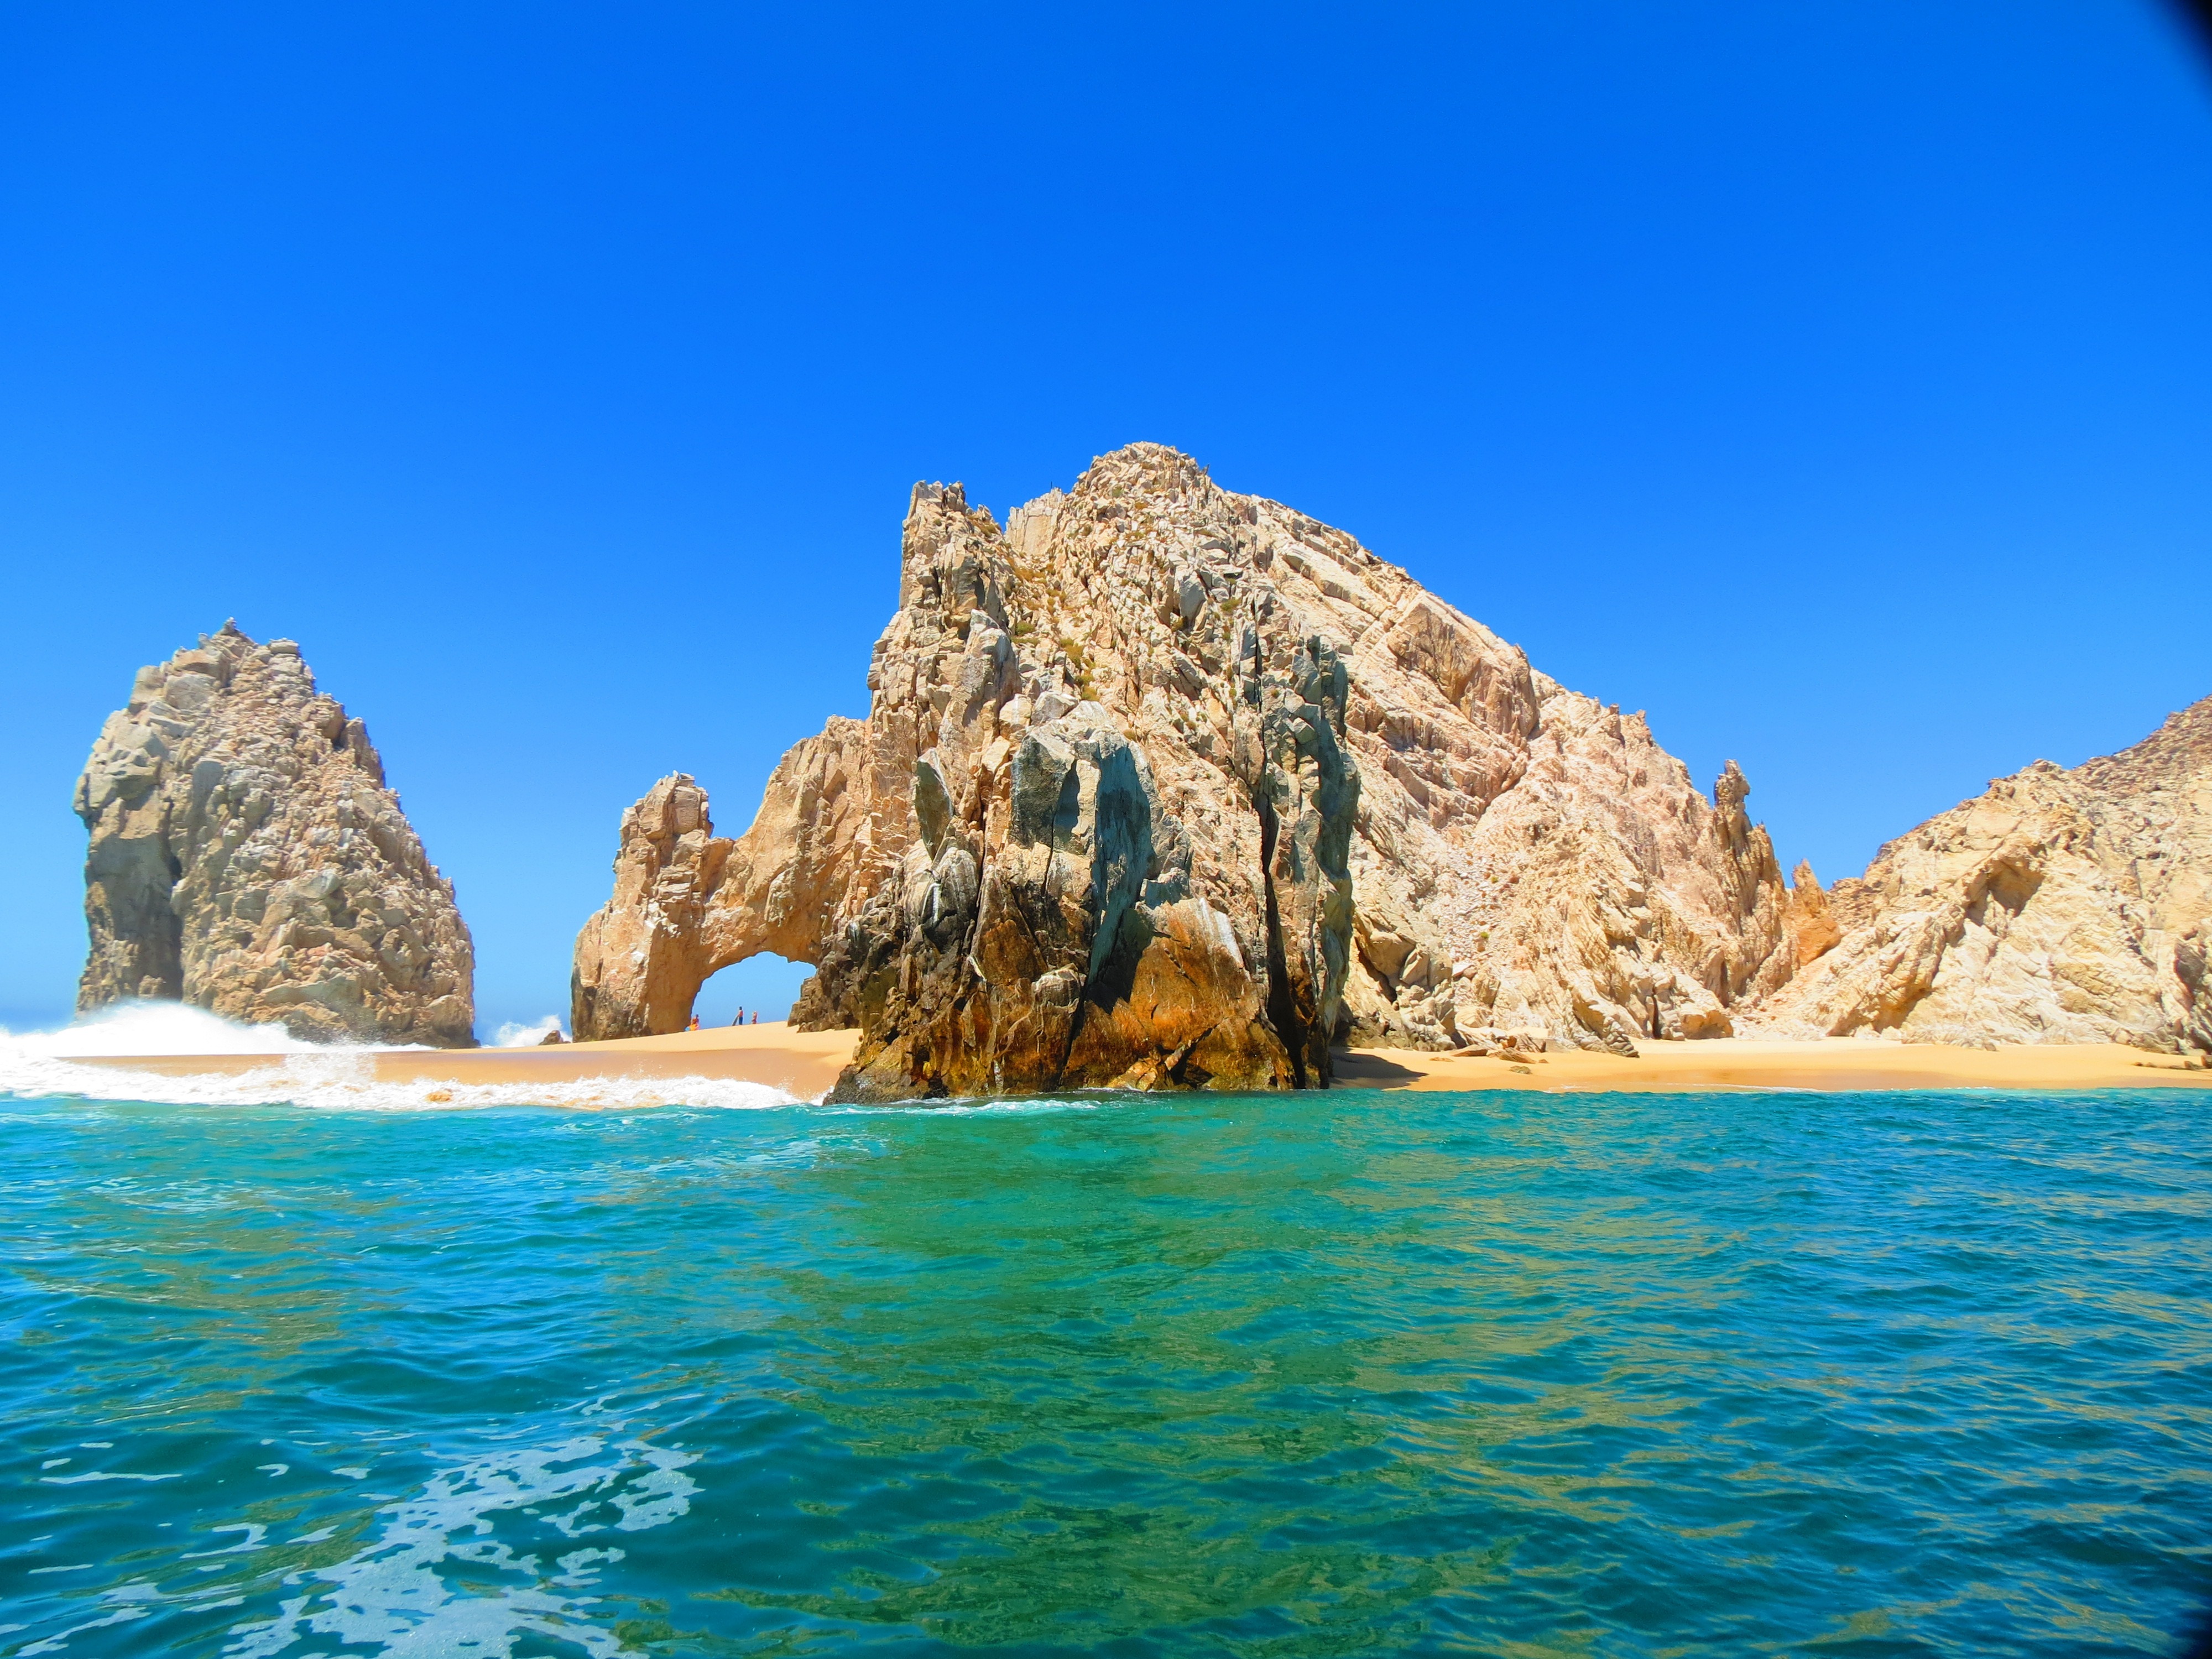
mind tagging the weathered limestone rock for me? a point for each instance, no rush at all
(2059, 906)
(1810, 917)
(247, 857)
(1547, 867)
(1127, 762)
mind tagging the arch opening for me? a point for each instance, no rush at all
(764, 984)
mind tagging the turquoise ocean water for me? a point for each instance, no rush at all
(1325, 1375)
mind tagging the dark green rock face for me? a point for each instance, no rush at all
(1094, 831)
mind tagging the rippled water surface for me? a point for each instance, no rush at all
(1329, 1375)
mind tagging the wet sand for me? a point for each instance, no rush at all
(805, 1064)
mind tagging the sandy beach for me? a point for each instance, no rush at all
(1839, 1063)
(800, 1063)
(805, 1064)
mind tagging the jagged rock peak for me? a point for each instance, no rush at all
(1130, 760)
(247, 857)
(2059, 906)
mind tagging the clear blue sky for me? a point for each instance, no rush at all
(1832, 380)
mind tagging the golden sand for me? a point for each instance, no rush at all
(801, 1063)
(805, 1063)
(1849, 1063)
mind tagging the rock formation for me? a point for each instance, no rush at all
(2060, 906)
(247, 857)
(1129, 762)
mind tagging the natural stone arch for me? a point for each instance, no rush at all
(760, 989)
(687, 903)
(977, 944)
(1289, 720)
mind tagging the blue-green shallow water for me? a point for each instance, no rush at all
(1324, 1374)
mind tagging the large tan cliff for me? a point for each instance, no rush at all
(2060, 906)
(1162, 785)
(247, 857)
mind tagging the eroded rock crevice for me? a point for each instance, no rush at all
(1282, 1011)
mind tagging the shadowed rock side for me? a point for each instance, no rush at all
(1129, 760)
(247, 857)
(2059, 906)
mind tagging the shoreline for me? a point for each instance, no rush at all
(805, 1064)
(1831, 1064)
(802, 1064)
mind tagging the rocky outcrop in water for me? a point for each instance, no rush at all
(1130, 760)
(2060, 906)
(246, 857)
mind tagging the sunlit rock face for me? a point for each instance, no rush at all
(247, 857)
(2059, 906)
(1163, 786)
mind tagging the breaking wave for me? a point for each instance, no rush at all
(47, 1065)
(156, 1027)
(331, 1084)
(517, 1034)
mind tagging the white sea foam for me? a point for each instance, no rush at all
(39, 1064)
(1022, 1106)
(156, 1028)
(515, 1035)
(341, 1082)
